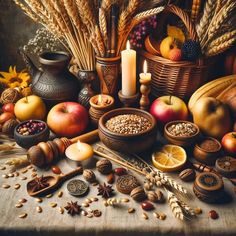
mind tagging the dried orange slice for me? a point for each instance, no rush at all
(169, 158)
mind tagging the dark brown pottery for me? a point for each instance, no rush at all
(86, 78)
(183, 141)
(128, 143)
(53, 83)
(206, 156)
(27, 141)
(108, 70)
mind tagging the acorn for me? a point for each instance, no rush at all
(9, 126)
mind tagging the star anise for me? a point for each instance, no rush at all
(105, 190)
(39, 183)
(73, 208)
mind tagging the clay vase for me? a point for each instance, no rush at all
(108, 70)
(86, 78)
(53, 82)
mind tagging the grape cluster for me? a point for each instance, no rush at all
(31, 127)
(139, 33)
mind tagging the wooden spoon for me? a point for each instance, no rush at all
(53, 182)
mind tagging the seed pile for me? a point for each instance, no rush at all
(182, 129)
(128, 124)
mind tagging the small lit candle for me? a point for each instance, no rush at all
(145, 76)
(79, 151)
(128, 63)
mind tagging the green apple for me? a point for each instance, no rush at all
(167, 44)
(31, 107)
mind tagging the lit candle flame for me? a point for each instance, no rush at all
(78, 145)
(145, 67)
(99, 99)
(128, 45)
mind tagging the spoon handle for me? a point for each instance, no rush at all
(78, 170)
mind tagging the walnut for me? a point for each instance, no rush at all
(104, 166)
(89, 175)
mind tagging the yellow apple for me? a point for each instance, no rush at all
(167, 44)
(31, 107)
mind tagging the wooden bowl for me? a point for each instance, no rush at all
(183, 141)
(127, 143)
(27, 141)
(205, 156)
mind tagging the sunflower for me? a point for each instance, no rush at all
(14, 79)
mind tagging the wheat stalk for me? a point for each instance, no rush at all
(174, 205)
(186, 208)
(106, 5)
(100, 42)
(103, 25)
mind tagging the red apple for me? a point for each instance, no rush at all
(8, 107)
(5, 116)
(229, 143)
(68, 119)
(169, 108)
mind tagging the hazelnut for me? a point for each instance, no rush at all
(104, 166)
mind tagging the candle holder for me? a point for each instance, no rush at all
(128, 101)
(98, 108)
(145, 89)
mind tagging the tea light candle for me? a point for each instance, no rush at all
(79, 151)
(128, 63)
(145, 76)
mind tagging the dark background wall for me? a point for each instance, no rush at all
(15, 30)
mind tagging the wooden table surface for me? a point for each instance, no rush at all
(114, 220)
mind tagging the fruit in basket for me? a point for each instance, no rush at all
(167, 44)
(68, 119)
(31, 107)
(176, 33)
(190, 50)
(152, 46)
(175, 54)
(211, 89)
(230, 99)
(8, 107)
(212, 117)
(229, 143)
(169, 158)
(169, 108)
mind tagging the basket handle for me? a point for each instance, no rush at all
(185, 18)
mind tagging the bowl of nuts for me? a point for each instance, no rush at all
(127, 130)
(31, 132)
(181, 132)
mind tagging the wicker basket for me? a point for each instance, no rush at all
(180, 78)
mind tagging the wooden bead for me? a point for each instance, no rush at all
(54, 149)
(47, 151)
(60, 145)
(36, 156)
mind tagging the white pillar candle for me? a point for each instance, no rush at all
(128, 63)
(145, 76)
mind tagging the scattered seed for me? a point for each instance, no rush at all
(125, 200)
(155, 214)
(34, 174)
(49, 195)
(88, 200)
(22, 200)
(18, 205)
(17, 186)
(213, 214)
(34, 170)
(23, 178)
(162, 216)
(53, 204)
(84, 213)
(145, 216)
(131, 210)
(5, 176)
(16, 174)
(11, 175)
(97, 213)
(85, 204)
(90, 215)
(95, 184)
(24, 171)
(198, 210)
(38, 200)
(61, 210)
(6, 186)
(24, 215)
(29, 167)
(94, 199)
(2, 168)
(60, 194)
(39, 209)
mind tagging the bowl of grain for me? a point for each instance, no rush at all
(127, 130)
(181, 132)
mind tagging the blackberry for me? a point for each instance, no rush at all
(190, 50)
